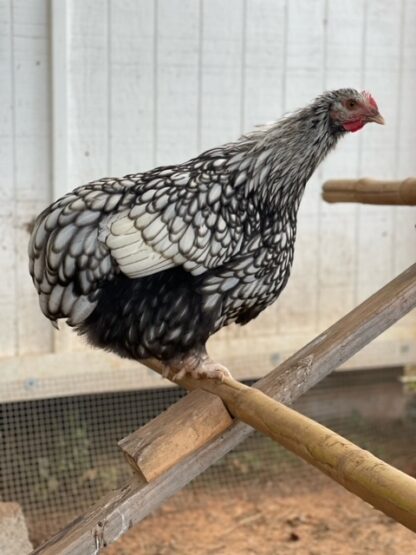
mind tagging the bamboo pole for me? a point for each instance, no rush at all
(115, 513)
(371, 191)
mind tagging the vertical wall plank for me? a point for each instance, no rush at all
(32, 100)
(375, 224)
(177, 25)
(263, 94)
(60, 31)
(222, 58)
(337, 222)
(88, 107)
(404, 242)
(405, 234)
(25, 124)
(88, 94)
(32, 158)
(132, 86)
(264, 62)
(6, 103)
(8, 323)
(224, 29)
(304, 80)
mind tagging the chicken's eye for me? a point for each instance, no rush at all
(351, 104)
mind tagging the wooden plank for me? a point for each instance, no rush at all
(32, 100)
(303, 81)
(404, 232)
(6, 104)
(63, 102)
(87, 103)
(263, 62)
(88, 98)
(177, 33)
(60, 26)
(25, 161)
(176, 433)
(8, 296)
(132, 86)
(221, 72)
(118, 511)
(337, 228)
(32, 186)
(375, 248)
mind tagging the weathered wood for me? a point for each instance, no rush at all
(176, 433)
(113, 515)
(371, 191)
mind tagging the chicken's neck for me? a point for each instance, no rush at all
(284, 155)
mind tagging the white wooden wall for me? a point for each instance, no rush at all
(107, 87)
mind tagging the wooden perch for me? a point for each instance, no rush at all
(182, 429)
(371, 191)
(376, 482)
(114, 514)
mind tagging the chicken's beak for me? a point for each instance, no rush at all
(378, 118)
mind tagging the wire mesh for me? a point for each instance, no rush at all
(60, 455)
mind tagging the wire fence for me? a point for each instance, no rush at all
(60, 455)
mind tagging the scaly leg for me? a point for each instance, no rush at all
(198, 365)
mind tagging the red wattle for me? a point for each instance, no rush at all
(353, 126)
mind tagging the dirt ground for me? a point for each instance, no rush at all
(327, 521)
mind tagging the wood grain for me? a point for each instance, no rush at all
(175, 434)
(371, 191)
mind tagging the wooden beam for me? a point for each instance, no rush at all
(114, 514)
(180, 430)
(371, 191)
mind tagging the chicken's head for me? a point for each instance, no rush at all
(351, 110)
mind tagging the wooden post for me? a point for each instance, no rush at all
(371, 191)
(114, 514)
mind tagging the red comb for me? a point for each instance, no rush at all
(370, 99)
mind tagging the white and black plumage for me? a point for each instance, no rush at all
(152, 264)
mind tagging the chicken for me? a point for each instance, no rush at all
(152, 264)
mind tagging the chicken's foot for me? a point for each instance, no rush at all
(197, 365)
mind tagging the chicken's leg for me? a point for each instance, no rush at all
(197, 364)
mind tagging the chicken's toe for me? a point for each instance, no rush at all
(201, 367)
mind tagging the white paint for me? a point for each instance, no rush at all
(59, 60)
(25, 167)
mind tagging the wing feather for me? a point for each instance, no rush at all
(188, 215)
(67, 259)
(179, 217)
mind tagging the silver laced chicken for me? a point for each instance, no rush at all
(152, 264)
